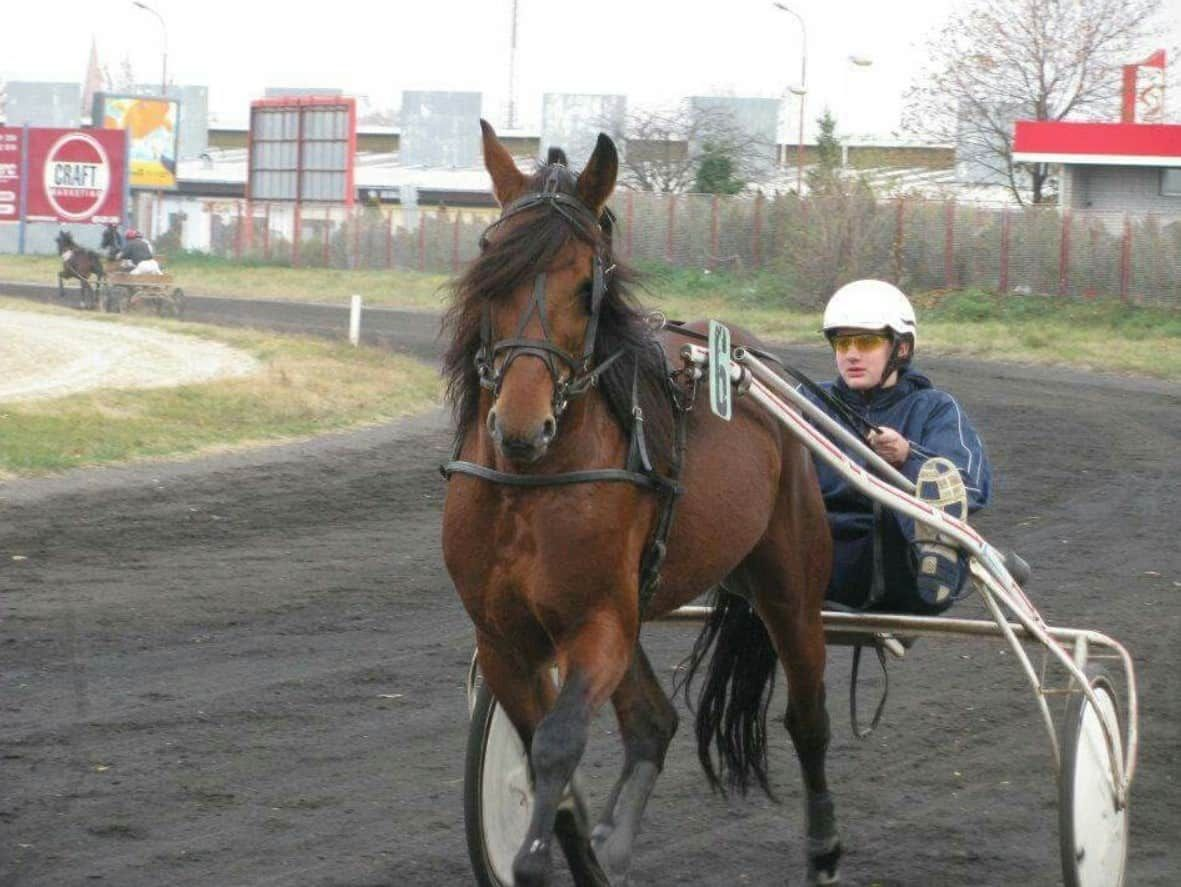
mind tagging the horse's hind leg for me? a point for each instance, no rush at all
(593, 664)
(647, 722)
(797, 631)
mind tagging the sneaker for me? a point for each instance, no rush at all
(938, 564)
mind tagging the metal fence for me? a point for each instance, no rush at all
(814, 244)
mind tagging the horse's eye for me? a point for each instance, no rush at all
(586, 292)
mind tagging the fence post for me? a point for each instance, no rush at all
(422, 243)
(296, 234)
(238, 230)
(355, 320)
(899, 234)
(1125, 260)
(714, 249)
(1064, 255)
(389, 241)
(949, 244)
(455, 244)
(1003, 284)
(672, 218)
(266, 233)
(757, 250)
(631, 224)
(326, 240)
(356, 263)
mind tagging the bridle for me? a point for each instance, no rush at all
(571, 374)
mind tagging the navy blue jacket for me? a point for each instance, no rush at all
(933, 422)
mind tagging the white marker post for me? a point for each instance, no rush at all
(355, 320)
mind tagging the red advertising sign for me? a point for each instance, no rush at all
(10, 173)
(76, 175)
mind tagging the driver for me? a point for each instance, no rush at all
(138, 255)
(922, 431)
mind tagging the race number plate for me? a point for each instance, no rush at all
(719, 370)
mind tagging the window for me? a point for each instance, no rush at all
(1170, 182)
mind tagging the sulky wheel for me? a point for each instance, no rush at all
(1092, 830)
(498, 795)
(497, 792)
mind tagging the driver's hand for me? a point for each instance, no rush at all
(890, 445)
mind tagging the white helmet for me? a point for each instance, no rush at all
(871, 305)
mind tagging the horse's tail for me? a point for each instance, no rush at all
(732, 707)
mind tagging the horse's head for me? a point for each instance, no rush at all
(65, 241)
(110, 235)
(545, 265)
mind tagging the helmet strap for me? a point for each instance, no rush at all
(893, 362)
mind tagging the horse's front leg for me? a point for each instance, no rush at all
(647, 722)
(593, 661)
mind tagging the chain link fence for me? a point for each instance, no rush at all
(814, 244)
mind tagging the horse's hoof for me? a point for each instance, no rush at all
(532, 866)
(615, 861)
(824, 867)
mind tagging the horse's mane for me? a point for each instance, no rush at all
(514, 259)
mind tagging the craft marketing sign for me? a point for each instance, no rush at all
(65, 175)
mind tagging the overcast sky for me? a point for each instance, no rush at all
(651, 50)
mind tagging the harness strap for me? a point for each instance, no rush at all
(858, 730)
(590, 475)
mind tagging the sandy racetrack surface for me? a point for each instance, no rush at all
(44, 356)
(248, 670)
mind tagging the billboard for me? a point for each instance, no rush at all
(42, 104)
(752, 123)
(303, 149)
(10, 173)
(152, 126)
(440, 129)
(66, 175)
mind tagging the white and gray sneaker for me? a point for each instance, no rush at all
(940, 568)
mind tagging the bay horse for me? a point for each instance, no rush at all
(572, 441)
(80, 264)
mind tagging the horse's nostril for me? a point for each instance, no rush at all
(549, 429)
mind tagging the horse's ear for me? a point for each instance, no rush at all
(507, 181)
(597, 181)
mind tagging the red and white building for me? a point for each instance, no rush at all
(1113, 167)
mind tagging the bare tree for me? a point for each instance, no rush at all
(1003, 60)
(665, 148)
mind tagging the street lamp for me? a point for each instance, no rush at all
(857, 61)
(800, 91)
(164, 31)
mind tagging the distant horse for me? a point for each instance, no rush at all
(572, 444)
(112, 241)
(81, 264)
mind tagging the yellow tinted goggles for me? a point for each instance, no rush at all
(860, 341)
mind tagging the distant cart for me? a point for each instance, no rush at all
(124, 293)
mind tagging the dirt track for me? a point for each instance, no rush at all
(249, 671)
(46, 356)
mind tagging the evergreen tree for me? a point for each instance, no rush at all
(828, 155)
(715, 172)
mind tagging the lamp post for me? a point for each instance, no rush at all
(164, 32)
(801, 90)
(857, 61)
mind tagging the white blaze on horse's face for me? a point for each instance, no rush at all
(524, 417)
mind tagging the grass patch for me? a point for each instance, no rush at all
(199, 274)
(306, 387)
(1104, 334)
